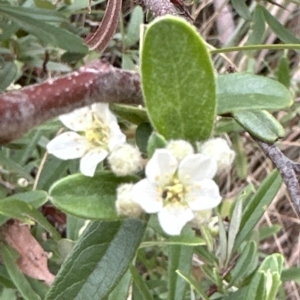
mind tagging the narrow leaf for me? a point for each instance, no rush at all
(25, 212)
(45, 32)
(245, 263)
(241, 8)
(140, 284)
(234, 226)
(9, 256)
(257, 205)
(180, 258)
(178, 80)
(281, 31)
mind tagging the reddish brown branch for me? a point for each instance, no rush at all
(96, 82)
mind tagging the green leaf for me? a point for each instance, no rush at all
(140, 284)
(178, 80)
(180, 258)
(43, 31)
(14, 167)
(242, 91)
(136, 115)
(8, 73)
(133, 29)
(34, 198)
(98, 261)
(260, 124)
(257, 205)
(283, 71)
(223, 242)
(88, 198)
(206, 256)
(74, 225)
(241, 8)
(156, 141)
(234, 226)
(25, 212)
(246, 262)
(284, 34)
(142, 134)
(273, 262)
(267, 231)
(291, 274)
(257, 287)
(120, 292)
(9, 28)
(257, 29)
(53, 169)
(192, 282)
(9, 256)
(45, 15)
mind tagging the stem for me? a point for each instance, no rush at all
(256, 47)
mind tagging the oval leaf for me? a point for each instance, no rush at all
(249, 92)
(89, 198)
(98, 261)
(260, 124)
(178, 80)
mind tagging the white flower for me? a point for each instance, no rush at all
(175, 189)
(180, 148)
(125, 160)
(99, 134)
(124, 204)
(218, 150)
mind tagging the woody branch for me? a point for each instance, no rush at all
(30, 106)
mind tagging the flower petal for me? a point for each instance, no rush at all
(116, 137)
(203, 195)
(102, 111)
(196, 167)
(79, 119)
(172, 218)
(161, 167)
(90, 160)
(68, 145)
(147, 196)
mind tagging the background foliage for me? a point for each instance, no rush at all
(252, 247)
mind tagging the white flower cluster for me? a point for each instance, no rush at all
(179, 186)
(95, 135)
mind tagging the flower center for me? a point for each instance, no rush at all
(98, 134)
(174, 192)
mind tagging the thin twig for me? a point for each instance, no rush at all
(287, 168)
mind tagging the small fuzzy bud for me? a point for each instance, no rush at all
(201, 217)
(219, 151)
(23, 182)
(180, 148)
(124, 204)
(125, 160)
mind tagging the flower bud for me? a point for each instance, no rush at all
(125, 160)
(180, 148)
(200, 217)
(124, 204)
(219, 151)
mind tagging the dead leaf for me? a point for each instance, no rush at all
(33, 260)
